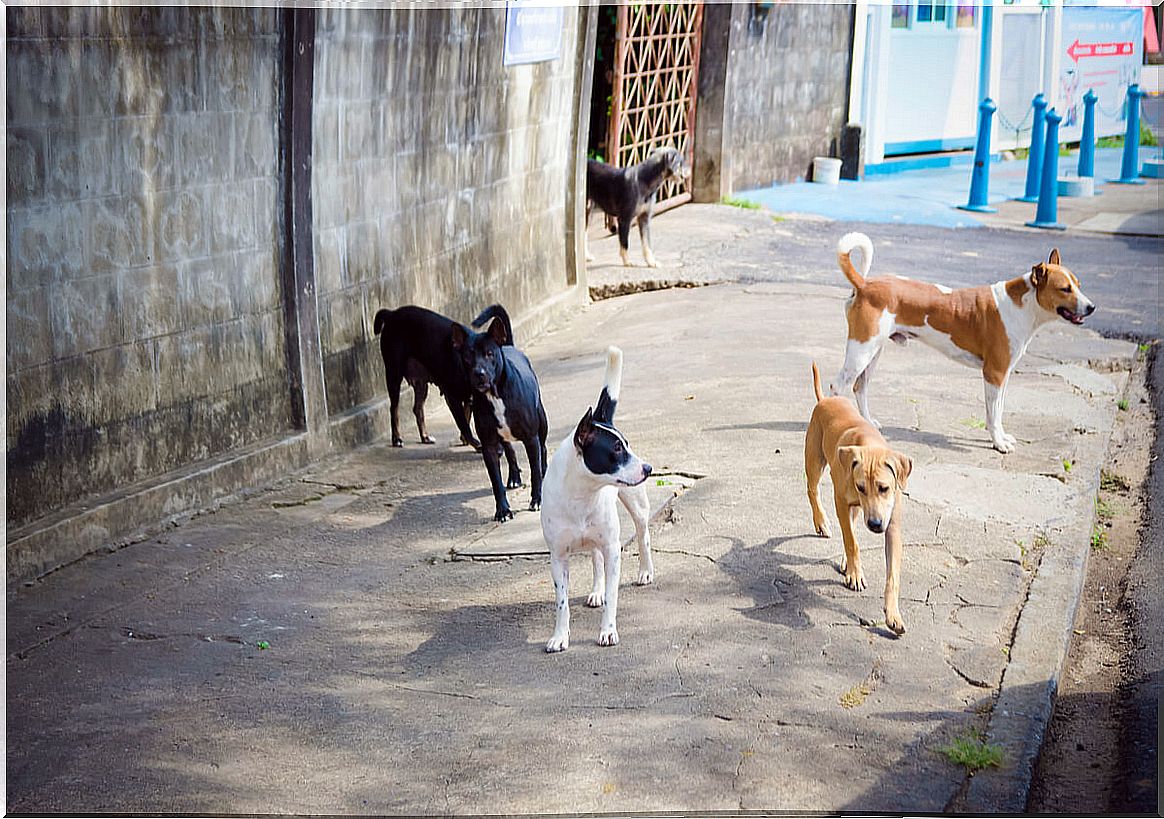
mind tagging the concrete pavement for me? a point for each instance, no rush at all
(350, 641)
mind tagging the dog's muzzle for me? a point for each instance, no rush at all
(646, 474)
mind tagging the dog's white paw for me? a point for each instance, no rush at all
(652, 262)
(608, 637)
(1004, 446)
(558, 643)
(595, 599)
(645, 579)
(1010, 439)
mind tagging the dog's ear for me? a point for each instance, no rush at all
(584, 433)
(902, 466)
(1054, 257)
(460, 336)
(497, 332)
(1038, 274)
(850, 457)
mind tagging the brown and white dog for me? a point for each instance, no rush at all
(867, 475)
(987, 327)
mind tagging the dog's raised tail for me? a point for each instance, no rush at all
(850, 242)
(380, 320)
(608, 399)
(816, 383)
(495, 311)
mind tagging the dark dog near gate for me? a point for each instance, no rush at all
(629, 195)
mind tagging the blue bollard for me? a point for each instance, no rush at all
(1087, 140)
(1047, 214)
(1035, 157)
(1130, 169)
(980, 176)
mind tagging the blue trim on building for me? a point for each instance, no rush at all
(913, 163)
(921, 146)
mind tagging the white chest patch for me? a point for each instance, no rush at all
(499, 412)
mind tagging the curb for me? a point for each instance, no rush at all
(1038, 657)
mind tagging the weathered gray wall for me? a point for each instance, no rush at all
(144, 324)
(441, 175)
(788, 88)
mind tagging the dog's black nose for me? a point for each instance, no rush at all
(874, 524)
(1090, 309)
(646, 469)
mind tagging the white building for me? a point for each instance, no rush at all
(920, 69)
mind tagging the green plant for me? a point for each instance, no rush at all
(973, 423)
(740, 202)
(1142, 351)
(1041, 541)
(1099, 539)
(1110, 142)
(1104, 510)
(1122, 404)
(972, 752)
(1147, 137)
(1112, 482)
(1067, 464)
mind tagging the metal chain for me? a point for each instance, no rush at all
(1005, 123)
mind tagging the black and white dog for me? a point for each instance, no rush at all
(629, 195)
(507, 406)
(417, 346)
(589, 470)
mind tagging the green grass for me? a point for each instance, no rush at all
(740, 202)
(973, 423)
(1112, 482)
(1104, 510)
(1067, 465)
(1122, 404)
(1142, 351)
(1147, 139)
(1041, 541)
(972, 752)
(1099, 539)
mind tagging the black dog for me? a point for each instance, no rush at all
(507, 406)
(629, 195)
(417, 345)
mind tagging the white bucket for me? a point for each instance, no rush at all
(826, 170)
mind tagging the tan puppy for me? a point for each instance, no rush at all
(867, 474)
(987, 328)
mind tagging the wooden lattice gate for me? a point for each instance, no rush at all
(656, 69)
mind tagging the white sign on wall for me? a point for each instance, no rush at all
(533, 31)
(1102, 49)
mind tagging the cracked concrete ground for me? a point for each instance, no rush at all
(317, 648)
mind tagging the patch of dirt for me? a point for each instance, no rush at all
(1079, 765)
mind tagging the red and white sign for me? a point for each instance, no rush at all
(1078, 50)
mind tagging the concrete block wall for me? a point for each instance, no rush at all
(440, 176)
(788, 74)
(144, 314)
